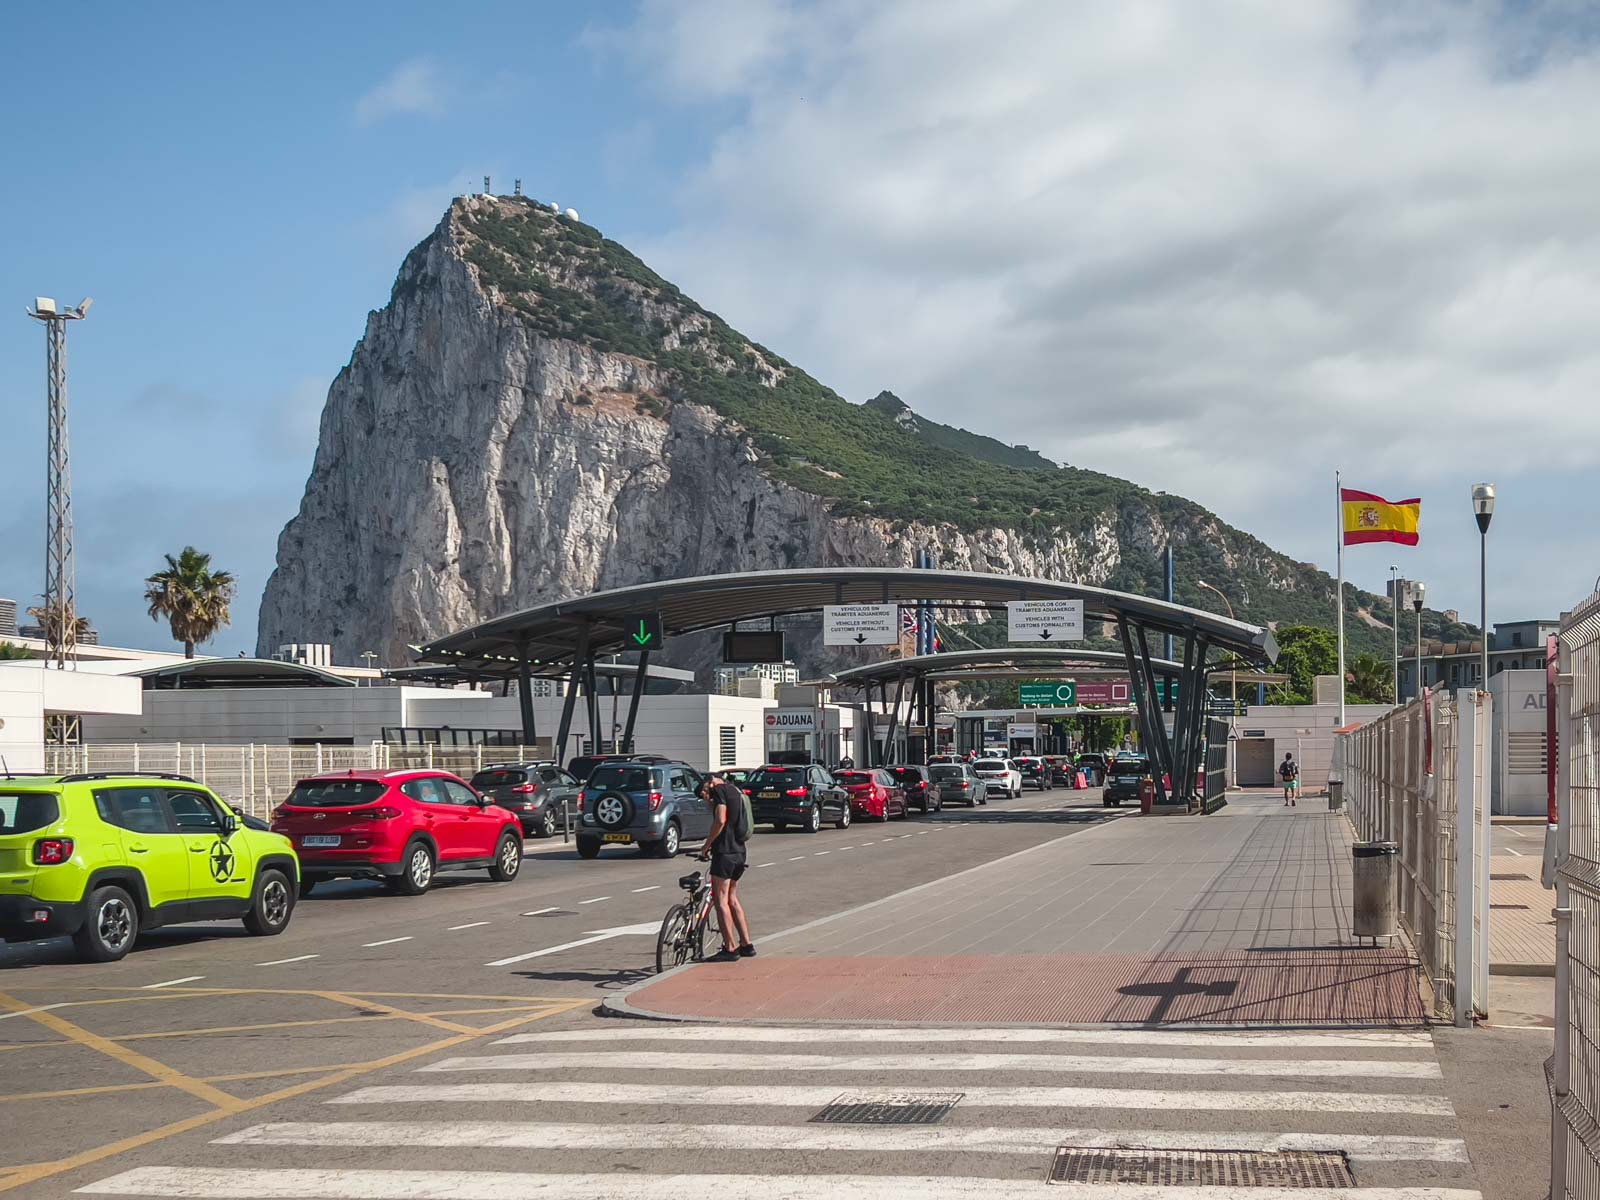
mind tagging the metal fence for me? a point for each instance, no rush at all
(255, 778)
(1574, 869)
(1402, 783)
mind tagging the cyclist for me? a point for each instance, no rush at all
(724, 846)
(1289, 774)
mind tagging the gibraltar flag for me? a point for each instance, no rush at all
(1369, 518)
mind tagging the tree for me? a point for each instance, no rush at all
(49, 619)
(11, 652)
(1371, 680)
(1304, 652)
(192, 597)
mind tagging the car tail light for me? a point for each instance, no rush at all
(48, 852)
(383, 813)
(580, 797)
(526, 789)
(655, 800)
(278, 814)
(795, 792)
(748, 791)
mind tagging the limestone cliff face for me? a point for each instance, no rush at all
(477, 456)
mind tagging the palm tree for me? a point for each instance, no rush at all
(1372, 679)
(49, 618)
(191, 596)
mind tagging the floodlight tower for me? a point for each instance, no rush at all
(60, 602)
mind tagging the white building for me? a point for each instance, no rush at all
(30, 692)
(759, 680)
(1521, 744)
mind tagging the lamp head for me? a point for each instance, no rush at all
(83, 308)
(1418, 590)
(1483, 504)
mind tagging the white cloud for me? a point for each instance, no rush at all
(413, 88)
(1151, 238)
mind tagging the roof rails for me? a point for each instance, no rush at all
(90, 776)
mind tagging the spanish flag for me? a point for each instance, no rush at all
(1369, 518)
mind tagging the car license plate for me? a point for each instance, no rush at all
(769, 795)
(320, 839)
(617, 837)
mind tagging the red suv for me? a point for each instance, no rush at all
(398, 826)
(873, 793)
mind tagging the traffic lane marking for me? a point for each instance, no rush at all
(602, 935)
(386, 942)
(595, 900)
(278, 962)
(468, 925)
(306, 1183)
(653, 887)
(1353, 1040)
(173, 982)
(458, 1135)
(814, 1097)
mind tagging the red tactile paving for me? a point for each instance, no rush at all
(1283, 987)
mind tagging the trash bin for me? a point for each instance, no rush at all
(1373, 902)
(1147, 795)
(1335, 795)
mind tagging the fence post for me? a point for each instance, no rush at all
(1467, 733)
(1561, 1061)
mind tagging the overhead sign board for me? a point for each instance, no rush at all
(1049, 695)
(1223, 707)
(1032, 622)
(860, 624)
(753, 646)
(642, 631)
(1019, 729)
(791, 720)
(1105, 691)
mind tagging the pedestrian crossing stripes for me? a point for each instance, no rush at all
(678, 1112)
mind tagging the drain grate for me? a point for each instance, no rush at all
(888, 1108)
(1523, 907)
(1509, 877)
(1204, 1168)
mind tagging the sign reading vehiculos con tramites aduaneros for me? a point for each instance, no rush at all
(791, 720)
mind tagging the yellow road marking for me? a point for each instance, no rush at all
(132, 1058)
(188, 993)
(391, 1010)
(104, 1090)
(26, 1175)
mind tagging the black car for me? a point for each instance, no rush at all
(536, 791)
(1035, 772)
(1094, 766)
(1126, 774)
(921, 793)
(806, 796)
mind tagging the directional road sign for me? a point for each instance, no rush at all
(1049, 695)
(643, 631)
(1035, 622)
(860, 624)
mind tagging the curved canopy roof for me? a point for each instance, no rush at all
(1002, 662)
(551, 632)
(238, 673)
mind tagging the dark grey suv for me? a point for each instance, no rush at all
(651, 805)
(535, 791)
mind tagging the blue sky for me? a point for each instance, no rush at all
(1142, 236)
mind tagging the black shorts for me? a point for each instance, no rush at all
(727, 866)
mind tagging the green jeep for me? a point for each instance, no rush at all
(102, 857)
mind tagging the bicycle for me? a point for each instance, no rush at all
(683, 930)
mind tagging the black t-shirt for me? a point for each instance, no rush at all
(1288, 769)
(729, 840)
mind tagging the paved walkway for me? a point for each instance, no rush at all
(1240, 917)
(1522, 932)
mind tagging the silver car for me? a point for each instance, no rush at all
(958, 784)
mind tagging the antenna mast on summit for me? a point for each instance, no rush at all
(60, 610)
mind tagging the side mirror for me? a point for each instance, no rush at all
(230, 825)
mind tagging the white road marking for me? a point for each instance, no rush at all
(813, 1097)
(770, 864)
(651, 1060)
(268, 1183)
(172, 982)
(594, 900)
(385, 942)
(598, 936)
(846, 847)
(797, 858)
(468, 925)
(820, 853)
(539, 912)
(1517, 853)
(278, 962)
(25, 1012)
(927, 1139)
(864, 845)
(1108, 1037)
(653, 887)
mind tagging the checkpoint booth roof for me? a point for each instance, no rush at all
(574, 632)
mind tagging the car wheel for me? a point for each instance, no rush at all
(308, 882)
(112, 925)
(923, 809)
(588, 849)
(547, 824)
(507, 859)
(670, 841)
(416, 873)
(778, 827)
(884, 819)
(984, 799)
(813, 819)
(844, 818)
(274, 902)
(1105, 804)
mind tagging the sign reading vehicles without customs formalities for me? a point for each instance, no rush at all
(1044, 621)
(860, 624)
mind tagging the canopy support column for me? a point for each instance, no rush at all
(580, 655)
(1163, 744)
(525, 695)
(639, 674)
(894, 717)
(591, 695)
(1144, 697)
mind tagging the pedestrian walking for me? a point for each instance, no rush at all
(1289, 774)
(725, 848)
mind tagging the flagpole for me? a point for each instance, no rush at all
(1338, 503)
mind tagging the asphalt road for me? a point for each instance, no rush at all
(1524, 840)
(204, 1029)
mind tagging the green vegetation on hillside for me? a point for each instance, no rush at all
(948, 437)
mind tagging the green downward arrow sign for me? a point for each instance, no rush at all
(644, 636)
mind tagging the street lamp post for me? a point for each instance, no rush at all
(1394, 614)
(1483, 509)
(1416, 589)
(1233, 691)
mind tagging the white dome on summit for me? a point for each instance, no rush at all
(573, 213)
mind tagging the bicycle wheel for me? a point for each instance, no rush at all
(676, 939)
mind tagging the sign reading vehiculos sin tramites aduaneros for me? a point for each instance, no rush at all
(860, 624)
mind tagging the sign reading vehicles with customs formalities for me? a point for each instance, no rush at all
(1032, 622)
